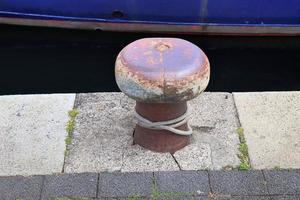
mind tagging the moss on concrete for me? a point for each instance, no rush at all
(243, 148)
(70, 128)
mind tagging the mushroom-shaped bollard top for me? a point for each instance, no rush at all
(162, 70)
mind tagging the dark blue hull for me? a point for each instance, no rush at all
(264, 17)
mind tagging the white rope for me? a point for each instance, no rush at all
(169, 125)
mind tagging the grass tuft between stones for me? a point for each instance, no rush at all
(154, 189)
(277, 168)
(69, 128)
(243, 148)
(133, 197)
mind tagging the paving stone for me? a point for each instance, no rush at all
(250, 198)
(229, 197)
(70, 185)
(190, 197)
(18, 187)
(185, 182)
(194, 156)
(84, 98)
(207, 198)
(283, 181)
(271, 122)
(102, 132)
(33, 130)
(125, 198)
(200, 198)
(286, 197)
(125, 184)
(159, 198)
(138, 159)
(215, 140)
(220, 196)
(238, 182)
(103, 138)
(103, 198)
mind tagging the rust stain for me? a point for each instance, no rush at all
(167, 70)
(201, 29)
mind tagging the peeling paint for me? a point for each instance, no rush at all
(162, 70)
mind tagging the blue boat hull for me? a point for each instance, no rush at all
(259, 17)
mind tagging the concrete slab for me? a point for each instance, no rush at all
(215, 140)
(194, 157)
(271, 122)
(138, 159)
(33, 130)
(104, 127)
(102, 132)
(103, 138)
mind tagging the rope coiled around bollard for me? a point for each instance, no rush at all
(169, 125)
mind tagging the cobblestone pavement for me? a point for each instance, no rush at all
(199, 185)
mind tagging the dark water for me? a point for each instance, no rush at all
(39, 60)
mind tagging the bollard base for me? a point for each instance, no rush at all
(160, 140)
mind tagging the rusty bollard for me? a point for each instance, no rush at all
(162, 74)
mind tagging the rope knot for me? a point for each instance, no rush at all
(169, 125)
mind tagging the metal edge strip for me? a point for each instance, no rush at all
(202, 29)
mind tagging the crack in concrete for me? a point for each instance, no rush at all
(66, 149)
(240, 125)
(203, 128)
(123, 158)
(176, 162)
(211, 154)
